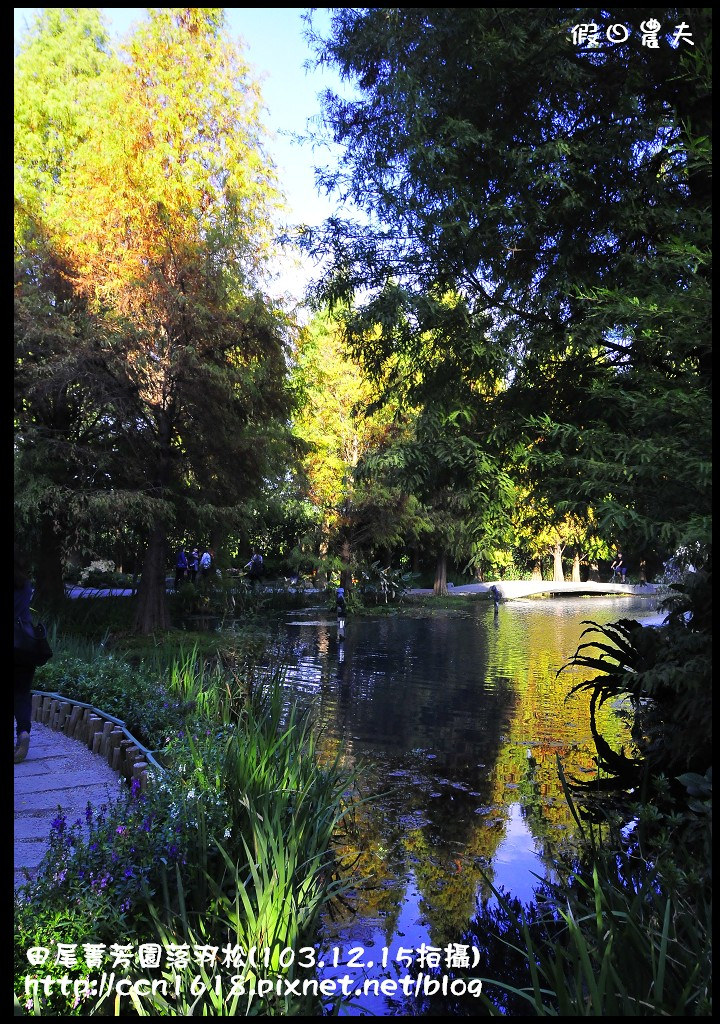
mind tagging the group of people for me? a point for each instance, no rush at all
(192, 565)
(195, 564)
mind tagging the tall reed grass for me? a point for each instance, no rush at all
(261, 858)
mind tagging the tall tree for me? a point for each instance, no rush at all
(166, 224)
(340, 424)
(66, 452)
(563, 191)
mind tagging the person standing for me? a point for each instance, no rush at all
(181, 567)
(340, 610)
(619, 568)
(205, 563)
(255, 567)
(194, 564)
(495, 594)
(23, 672)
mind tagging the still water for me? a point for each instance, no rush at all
(454, 720)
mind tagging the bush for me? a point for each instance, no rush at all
(95, 616)
(380, 585)
(233, 843)
(112, 685)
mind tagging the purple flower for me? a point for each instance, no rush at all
(121, 830)
(88, 813)
(129, 873)
(58, 824)
(135, 787)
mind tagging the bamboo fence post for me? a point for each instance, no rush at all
(47, 707)
(83, 730)
(132, 753)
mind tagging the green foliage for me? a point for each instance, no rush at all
(273, 814)
(111, 684)
(92, 617)
(622, 946)
(234, 842)
(666, 674)
(48, 922)
(378, 584)
(560, 195)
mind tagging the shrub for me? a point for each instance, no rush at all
(98, 567)
(232, 843)
(111, 684)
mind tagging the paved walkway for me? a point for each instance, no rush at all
(510, 589)
(58, 772)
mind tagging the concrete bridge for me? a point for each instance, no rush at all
(511, 590)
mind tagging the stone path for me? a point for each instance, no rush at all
(510, 589)
(58, 772)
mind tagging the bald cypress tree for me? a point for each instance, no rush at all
(163, 228)
(65, 448)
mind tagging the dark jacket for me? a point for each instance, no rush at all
(23, 597)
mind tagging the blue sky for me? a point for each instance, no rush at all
(275, 46)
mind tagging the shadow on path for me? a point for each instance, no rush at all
(58, 773)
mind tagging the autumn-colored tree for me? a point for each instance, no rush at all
(165, 224)
(66, 451)
(340, 425)
(427, 356)
(160, 231)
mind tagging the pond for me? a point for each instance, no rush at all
(455, 720)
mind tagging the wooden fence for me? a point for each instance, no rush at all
(100, 732)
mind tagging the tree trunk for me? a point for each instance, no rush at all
(152, 611)
(322, 580)
(48, 581)
(558, 576)
(440, 585)
(575, 577)
(346, 572)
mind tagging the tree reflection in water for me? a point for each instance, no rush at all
(457, 721)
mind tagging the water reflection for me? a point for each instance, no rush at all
(457, 719)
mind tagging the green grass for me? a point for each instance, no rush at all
(621, 948)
